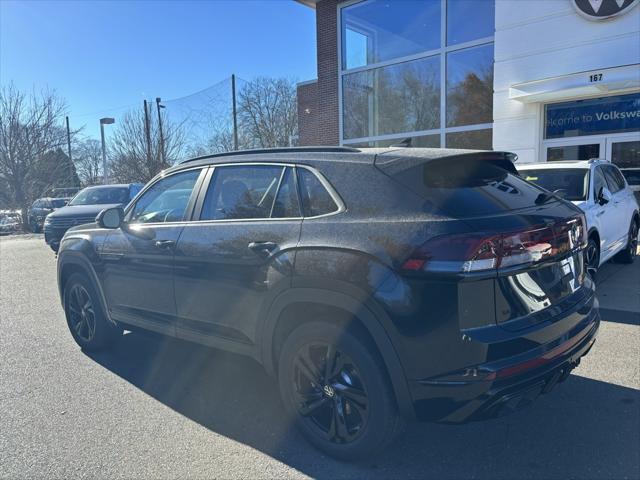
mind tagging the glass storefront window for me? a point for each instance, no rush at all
(378, 30)
(615, 114)
(473, 139)
(404, 97)
(470, 86)
(423, 141)
(573, 152)
(469, 20)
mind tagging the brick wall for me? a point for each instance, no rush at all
(308, 115)
(327, 41)
(325, 124)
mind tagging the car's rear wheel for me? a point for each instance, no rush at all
(86, 321)
(629, 253)
(335, 389)
(592, 256)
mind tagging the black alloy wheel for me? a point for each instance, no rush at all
(82, 313)
(335, 388)
(86, 320)
(329, 392)
(592, 256)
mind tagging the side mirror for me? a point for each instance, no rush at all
(110, 217)
(604, 196)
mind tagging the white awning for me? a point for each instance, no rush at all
(593, 82)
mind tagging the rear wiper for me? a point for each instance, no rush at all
(545, 197)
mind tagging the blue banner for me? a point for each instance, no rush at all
(594, 116)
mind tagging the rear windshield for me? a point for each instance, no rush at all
(468, 187)
(571, 183)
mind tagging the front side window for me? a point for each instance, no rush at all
(316, 200)
(242, 192)
(166, 200)
(615, 180)
(599, 182)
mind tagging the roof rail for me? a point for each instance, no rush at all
(276, 150)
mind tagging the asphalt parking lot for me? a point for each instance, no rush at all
(159, 408)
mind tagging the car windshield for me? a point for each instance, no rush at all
(58, 202)
(101, 195)
(572, 183)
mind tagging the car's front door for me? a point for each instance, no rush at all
(235, 258)
(603, 213)
(138, 258)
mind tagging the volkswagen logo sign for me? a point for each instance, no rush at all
(603, 9)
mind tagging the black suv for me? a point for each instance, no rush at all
(84, 207)
(40, 209)
(375, 285)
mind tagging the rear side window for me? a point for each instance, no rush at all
(241, 192)
(287, 204)
(467, 187)
(316, 200)
(614, 178)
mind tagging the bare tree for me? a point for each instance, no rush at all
(129, 161)
(88, 159)
(268, 113)
(30, 126)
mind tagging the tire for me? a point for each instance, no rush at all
(87, 323)
(35, 228)
(628, 255)
(592, 256)
(354, 414)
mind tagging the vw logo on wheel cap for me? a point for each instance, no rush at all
(603, 9)
(328, 391)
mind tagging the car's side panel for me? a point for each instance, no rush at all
(221, 283)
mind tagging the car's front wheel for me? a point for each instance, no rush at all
(86, 321)
(335, 389)
(629, 253)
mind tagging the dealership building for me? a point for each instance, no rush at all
(546, 79)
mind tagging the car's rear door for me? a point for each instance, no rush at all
(234, 259)
(618, 205)
(138, 258)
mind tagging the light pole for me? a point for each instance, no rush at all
(158, 100)
(103, 122)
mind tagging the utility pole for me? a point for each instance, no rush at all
(235, 114)
(103, 122)
(147, 131)
(68, 149)
(158, 100)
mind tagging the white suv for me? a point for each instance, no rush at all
(600, 190)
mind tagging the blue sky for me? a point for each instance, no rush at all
(105, 54)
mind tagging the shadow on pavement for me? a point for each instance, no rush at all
(584, 428)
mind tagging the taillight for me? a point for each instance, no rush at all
(476, 252)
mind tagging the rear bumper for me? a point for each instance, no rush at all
(511, 383)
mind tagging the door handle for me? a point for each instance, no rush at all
(165, 244)
(263, 248)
